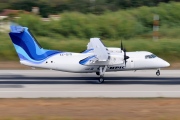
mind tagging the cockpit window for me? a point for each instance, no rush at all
(150, 56)
(153, 56)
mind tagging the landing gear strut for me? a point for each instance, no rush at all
(158, 72)
(101, 72)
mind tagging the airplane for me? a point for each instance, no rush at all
(97, 58)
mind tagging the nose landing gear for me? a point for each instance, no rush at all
(158, 72)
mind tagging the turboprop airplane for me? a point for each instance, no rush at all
(96, 59)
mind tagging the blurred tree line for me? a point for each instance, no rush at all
(136, 22)
(84, 6)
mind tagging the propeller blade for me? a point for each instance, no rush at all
(124, 54)
(125, 57)
(124, 50)
(121, 46)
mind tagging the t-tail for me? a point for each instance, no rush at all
(27, 47)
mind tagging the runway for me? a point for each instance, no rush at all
(56, 84)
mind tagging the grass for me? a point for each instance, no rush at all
(165, 48)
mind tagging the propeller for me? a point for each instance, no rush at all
(121, 46)
(124, 50)
(125, 57)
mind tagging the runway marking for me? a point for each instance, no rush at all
(90, 91)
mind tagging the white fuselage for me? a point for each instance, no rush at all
(69, 62)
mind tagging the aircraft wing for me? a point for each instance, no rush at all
(99, 49)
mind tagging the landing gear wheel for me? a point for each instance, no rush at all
(158, 73)
(102, 70)
(101, 79)
(97, 73)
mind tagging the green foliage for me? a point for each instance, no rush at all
(169, 14)
(84, 26)
(84, 6)
(114, 25)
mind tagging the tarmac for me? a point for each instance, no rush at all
(56, 84)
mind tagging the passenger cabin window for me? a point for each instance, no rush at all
(150, 56)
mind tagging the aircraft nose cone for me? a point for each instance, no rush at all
(166, 64)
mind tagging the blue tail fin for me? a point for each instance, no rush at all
(27, 46)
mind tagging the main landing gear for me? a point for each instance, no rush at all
(97, 73)
(158, 72)
(101, 72)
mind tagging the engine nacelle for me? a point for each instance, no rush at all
(116, 59)
(114, 50)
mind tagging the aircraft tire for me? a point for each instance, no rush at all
(158, 73)
(101, 80)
